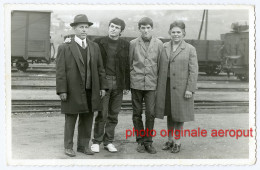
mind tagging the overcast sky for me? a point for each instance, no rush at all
(219, 21)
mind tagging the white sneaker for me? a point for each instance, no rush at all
(95, 148)
(110, 147)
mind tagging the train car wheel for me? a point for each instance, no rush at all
(216, 72)
(22, 65)
(243, 77)
(212, 71)
(208, 72)
(48, 61)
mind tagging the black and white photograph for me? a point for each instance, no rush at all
(130, 84)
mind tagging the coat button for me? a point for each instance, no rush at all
(173, 74)
(174, 87)
(173, 60)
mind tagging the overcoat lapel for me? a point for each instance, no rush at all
(75, 51)
(168, 49)
(179, 49)
(78, 58)
(91, 52)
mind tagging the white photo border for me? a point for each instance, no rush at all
(148, 162)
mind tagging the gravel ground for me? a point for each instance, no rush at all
(40, 136)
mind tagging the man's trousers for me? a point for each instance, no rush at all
(148, 96)
(85, 121)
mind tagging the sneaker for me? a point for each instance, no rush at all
(110, 147)
(140, 148)
(95, 148)
(167, 146)
(150, 149)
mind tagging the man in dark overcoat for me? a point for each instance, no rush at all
(81, 84)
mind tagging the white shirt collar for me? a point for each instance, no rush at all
(79, 41)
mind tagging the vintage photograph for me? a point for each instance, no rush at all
(120, 84)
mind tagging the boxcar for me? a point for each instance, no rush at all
(30, 37)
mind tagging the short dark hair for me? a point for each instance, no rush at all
(118, 21)
(179, 24)
(145, 21)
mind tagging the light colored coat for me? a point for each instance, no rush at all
(183, 76)
(144, 63)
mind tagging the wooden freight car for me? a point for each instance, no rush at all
(30, 38)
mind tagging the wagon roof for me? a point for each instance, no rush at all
(38, 11)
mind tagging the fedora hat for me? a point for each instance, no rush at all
(79, 19)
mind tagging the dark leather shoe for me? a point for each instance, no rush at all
(140, 148)
(176, 148)
(86, 151)
(150, 149)
(70, 152)
(167, 145)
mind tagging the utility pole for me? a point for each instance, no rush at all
(206, 25)
(201, 25)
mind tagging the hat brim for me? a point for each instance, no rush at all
(76, 23)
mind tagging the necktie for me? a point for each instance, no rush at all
(83, 45)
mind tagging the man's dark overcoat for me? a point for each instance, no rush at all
(70, 77)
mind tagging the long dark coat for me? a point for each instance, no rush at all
(70, 77)
(183, 76)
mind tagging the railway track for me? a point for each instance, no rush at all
(53, 87)
(42, 72)
(51, 76)
(46, 70)
(44, 79)
(32, 106)
(52, 69)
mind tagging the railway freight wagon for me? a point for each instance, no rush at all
(30, 38)
(235, 51)
(207, 52)
(208, 56)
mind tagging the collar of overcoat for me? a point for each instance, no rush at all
(151, 45)
(78, 57)
(105, 40)
(168, 48)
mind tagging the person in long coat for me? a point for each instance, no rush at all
(178, 72)
(80, 83)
